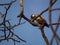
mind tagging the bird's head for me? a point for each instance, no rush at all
(33, 16)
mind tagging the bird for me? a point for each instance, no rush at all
(40, 20)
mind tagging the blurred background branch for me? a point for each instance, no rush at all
(8, 27)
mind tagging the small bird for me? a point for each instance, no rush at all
(42, 22)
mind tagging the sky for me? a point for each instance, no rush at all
(26, 31)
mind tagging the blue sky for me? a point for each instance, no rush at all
(26, 31)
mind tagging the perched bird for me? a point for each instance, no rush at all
(42, 22)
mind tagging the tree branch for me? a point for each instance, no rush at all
(44, 37)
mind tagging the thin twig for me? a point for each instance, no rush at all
(44, 37)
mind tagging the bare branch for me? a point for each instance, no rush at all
(54, 24)
(51, 3)
(56, 31)
(56, 9)
(8, 3)
(45, 38)
(9, 27)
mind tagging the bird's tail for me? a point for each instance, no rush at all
(46, 25)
